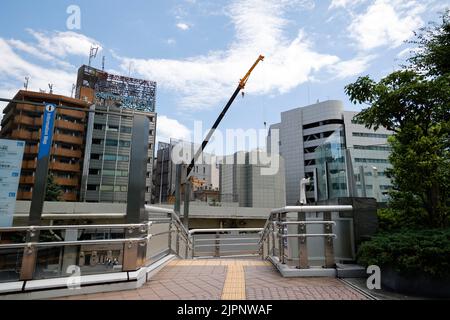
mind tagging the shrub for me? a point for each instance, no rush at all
(410, 252)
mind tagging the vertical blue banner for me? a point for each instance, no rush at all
(47, 131)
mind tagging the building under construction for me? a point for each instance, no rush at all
(107, 159)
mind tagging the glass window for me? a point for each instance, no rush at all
(370, 135)
(112, 128)
(123, 143)
(111, 143)
(108, 172)
(125, 129)
(110, 157)
(106, 188)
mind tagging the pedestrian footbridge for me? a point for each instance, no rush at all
(302, 252)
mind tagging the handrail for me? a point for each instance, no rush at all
(72, 227)
(312, 209)
(305, 235)
(72, 243)
(276, 231)
(305, 222)
(193, 231)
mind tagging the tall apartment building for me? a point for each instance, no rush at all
(303, 130)
(115, 99)
(23, 121)
(164, 172)
(243, 181)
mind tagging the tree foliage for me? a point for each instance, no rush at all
(53, 191)
(415, 104)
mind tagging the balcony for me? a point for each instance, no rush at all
(24, 195)
(21, 134)
(69, 196)
(21, 119)
(31, 150)
(59, 166)
(30, 108)
(62, 152)
(68, 138)
(27, 180)
(29, 164)
(72, 113)
(69, 125)
(67, 181)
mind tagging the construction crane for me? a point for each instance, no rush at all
(240, 87)
(188, 181)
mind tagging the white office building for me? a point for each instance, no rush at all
(303, 130)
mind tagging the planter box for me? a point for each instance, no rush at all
(420, 285)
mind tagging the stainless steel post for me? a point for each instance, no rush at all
(170, 235)
(193, 246)
(329, 248)
(29, 256)
(217, 247)
(302, 243)
(177, 243)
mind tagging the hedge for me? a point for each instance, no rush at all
(410, 252)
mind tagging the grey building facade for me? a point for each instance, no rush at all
(164, 172)
(114, 101)
(303, 130)
(243, 181)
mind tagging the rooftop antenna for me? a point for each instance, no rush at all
(309, 94)
(92, 54)
(25, 85)
(129, 68)
(103, 63)
(50, 86)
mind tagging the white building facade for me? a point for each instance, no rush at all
(302, 130)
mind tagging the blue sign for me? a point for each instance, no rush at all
(47, 131)
(11, 154)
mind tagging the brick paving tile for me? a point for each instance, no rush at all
(228, 279)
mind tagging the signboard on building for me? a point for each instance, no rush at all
(11, 154)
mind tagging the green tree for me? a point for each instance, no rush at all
(53, 191)
(415, 104)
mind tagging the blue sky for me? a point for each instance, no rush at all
(198, 50)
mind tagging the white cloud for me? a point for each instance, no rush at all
(170, 128)
(349, 68)
(62, 44)
(171, 41)
(386, 23)
(183, 26)
(260, 27)
(344, 3)
(13, 70)
(38, 53)
(404, 53)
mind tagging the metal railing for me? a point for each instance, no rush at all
(283, 225)
(221, 242)
(42, 252)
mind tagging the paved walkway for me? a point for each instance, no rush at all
(229, 280)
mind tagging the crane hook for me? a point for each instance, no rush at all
(243, 94)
